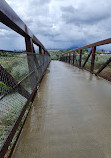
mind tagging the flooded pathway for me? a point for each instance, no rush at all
(70, 117)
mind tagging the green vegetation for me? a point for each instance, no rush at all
(99, 60)
(20, 68)
(3, 88)
(8, 120)
(6, 54)
(55, 54)
(17, 65)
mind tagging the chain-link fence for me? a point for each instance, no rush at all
(19, 75)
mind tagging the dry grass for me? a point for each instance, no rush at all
(106, 72)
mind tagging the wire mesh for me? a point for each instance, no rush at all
(19, 75)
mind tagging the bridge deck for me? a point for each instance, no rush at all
(70, 117)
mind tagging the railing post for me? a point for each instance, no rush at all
(40, 50)
(93, 59)
(80, 58)
(69, 58)
(30, 48)
(76, 59)
(66, 59)
(44, 51)
(73, 58)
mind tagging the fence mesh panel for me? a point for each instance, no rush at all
(19, 74)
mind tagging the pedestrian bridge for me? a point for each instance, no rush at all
(70, 116)
(53, 109)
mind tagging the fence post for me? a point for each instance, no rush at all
(93, 59)
(40, 50)
(73, 58)
(76, 59)
(30, 58)
(80, 58)
(66, 59)
(69, 58)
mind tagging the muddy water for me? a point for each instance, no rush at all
(70, 117)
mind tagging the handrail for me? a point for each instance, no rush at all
(99, 43)
(21, 91)
(67, 57)
(12, 20)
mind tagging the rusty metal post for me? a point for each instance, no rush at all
(80, 58)
(63, 58)
(44, 51)
(73, 58)
(66, 59)
(40, 50)
(93, 59)
(69, 58)
(31, 65)
(76, 59)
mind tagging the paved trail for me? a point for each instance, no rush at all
(70, 117)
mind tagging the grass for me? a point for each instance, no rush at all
(99, 62)
(17, 66)
(10, 115)
(18, 130)
(3, 88)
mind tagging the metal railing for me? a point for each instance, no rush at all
(20, 75)
(98, 64)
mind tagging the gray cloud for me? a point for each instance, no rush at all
(60, 24)
(85, 16)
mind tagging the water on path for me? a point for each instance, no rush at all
(70, 117)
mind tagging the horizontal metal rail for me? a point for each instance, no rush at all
(14, 128)
(36, 64)
(99, 43)
(92, 53)
(12, 132)
(12, 20)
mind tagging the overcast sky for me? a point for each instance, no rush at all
(60, 24)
